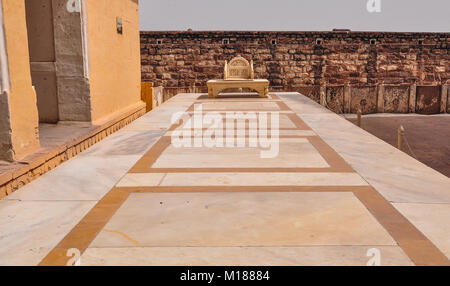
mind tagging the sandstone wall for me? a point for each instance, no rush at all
(374, 71)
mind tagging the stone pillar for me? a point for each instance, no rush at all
(380, 98)
(412, 98)
(448, 99)
(347, 98)
(444, 98)
(147, 95)
(158, 96)
(74, 100)
(19, 123)
(323, 95)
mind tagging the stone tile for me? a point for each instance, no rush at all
(245, 111)
(54, 135)
(148, 179)
(81, 178)
(244, 179)
(179, 104)
(242, 219)
(29, 230)
(302, 104)
(161, 119)
(396, 175)
(185, 96)
(293, 153)
(256, 106)
(157, 126)
(125, 143)
(297, 133)
(242, 256)
(146, 122)
(433, 220)
(263, 179)
(300, 133)
(234, 99)
(284, 122)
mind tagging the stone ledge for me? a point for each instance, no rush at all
(38, 164)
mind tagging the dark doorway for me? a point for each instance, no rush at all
(41, 43)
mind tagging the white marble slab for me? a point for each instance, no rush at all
(245, 179)
(301, 104)
(29, 230)
(242, 219)
(147, 179)
(243, 256)
(290, 153)
(82, 178)
(281, 133)
(124, 142)
(243, 123)
(225, 106)
(433, 220)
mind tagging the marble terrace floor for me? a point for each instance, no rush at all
(332, 195)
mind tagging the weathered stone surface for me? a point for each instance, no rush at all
(364, 98)
(335, 98)
(74, 99)
(312, 92)
(396, 99)
(428, 99)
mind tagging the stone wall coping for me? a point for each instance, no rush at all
(299, 33)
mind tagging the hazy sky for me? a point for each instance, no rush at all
(301, 15)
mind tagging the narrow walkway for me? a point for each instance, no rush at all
(334, 195)
(427, 136)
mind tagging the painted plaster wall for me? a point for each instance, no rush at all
(115, 74)
(22, 98)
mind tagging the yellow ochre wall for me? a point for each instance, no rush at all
(114, 58)
(22, 98)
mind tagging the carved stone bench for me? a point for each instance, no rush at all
(238, 74)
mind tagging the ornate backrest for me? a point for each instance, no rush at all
(238, 68)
